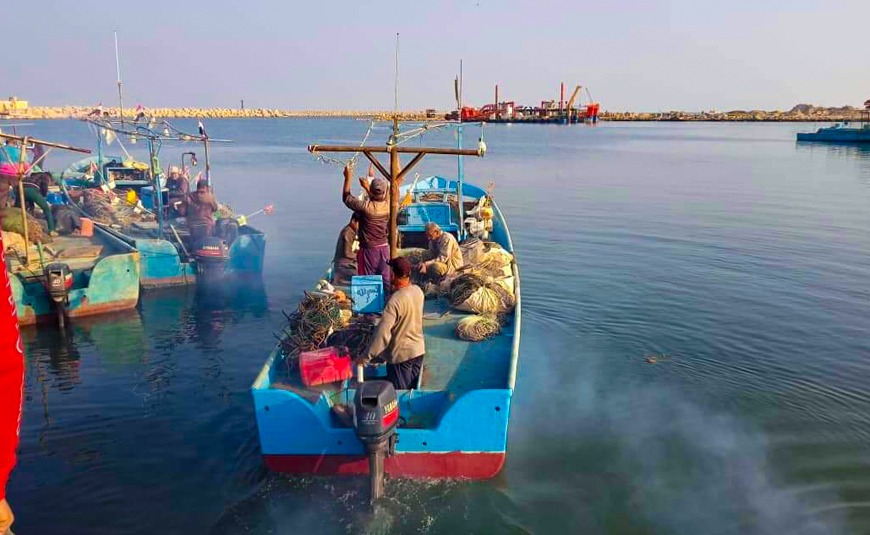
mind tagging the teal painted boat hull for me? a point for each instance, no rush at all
(161, 265)
(112, 285)
(837, 134)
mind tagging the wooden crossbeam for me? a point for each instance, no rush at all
(396, 172)
(382, 149)
(21, 139)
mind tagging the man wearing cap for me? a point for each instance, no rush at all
(374, 221)
(179, 189)
(444, 257)
(201, 206)
(399, 338)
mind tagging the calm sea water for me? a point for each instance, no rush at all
(741, 258)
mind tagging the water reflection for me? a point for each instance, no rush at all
(860, 152)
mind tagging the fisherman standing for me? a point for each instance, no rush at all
(201, 206)
(179, 189)
(344, 262)
(399, 336)
(374, 220)
(444, 256)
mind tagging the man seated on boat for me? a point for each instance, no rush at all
(201, 206)
(398, 339)
(344, 262)
(374, 220)
(179, 189)
(444, 257)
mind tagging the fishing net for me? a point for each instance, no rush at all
(108, 209)
(477, 328)
(307, 329)
(356, 337)
(472, 293)
(11, 222)
(415, 255)
(225, 211)
(12, 241)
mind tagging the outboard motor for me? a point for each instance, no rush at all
(375, 416)
(211, 259)
(58, 283)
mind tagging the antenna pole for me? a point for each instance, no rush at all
(460, 171)
(396, 96)
(118, 71)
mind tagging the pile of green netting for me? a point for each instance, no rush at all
(307, 329)
(12, 222)
(355, 338)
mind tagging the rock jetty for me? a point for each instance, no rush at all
(799, 113)
(66, 112)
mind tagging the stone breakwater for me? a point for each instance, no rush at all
(799, 113)
(76, 112)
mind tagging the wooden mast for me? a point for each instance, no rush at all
(396, 173)
(22, 161)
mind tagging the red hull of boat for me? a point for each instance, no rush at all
(411, 465)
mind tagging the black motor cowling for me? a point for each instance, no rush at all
(375, 416)
(58, 283)
(211, 258)
(376, 411)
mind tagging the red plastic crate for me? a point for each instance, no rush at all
(322, 366)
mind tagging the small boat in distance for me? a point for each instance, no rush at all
(842, 132)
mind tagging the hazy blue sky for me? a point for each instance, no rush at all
(632, 54)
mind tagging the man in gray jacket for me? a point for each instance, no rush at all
(399, 337)
(444, 256)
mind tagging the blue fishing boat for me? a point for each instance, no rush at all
(455, 424)
(70, 276)
(168, 255)
(842, 132)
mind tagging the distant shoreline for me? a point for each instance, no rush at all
(809, 114)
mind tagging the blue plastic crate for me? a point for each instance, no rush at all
(55, 197)
(367, 293)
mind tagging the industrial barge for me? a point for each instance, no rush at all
(549, 111)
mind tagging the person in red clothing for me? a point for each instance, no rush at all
(11, 389)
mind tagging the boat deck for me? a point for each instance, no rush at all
(455, 365)
(451, 365)
(80, 253)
